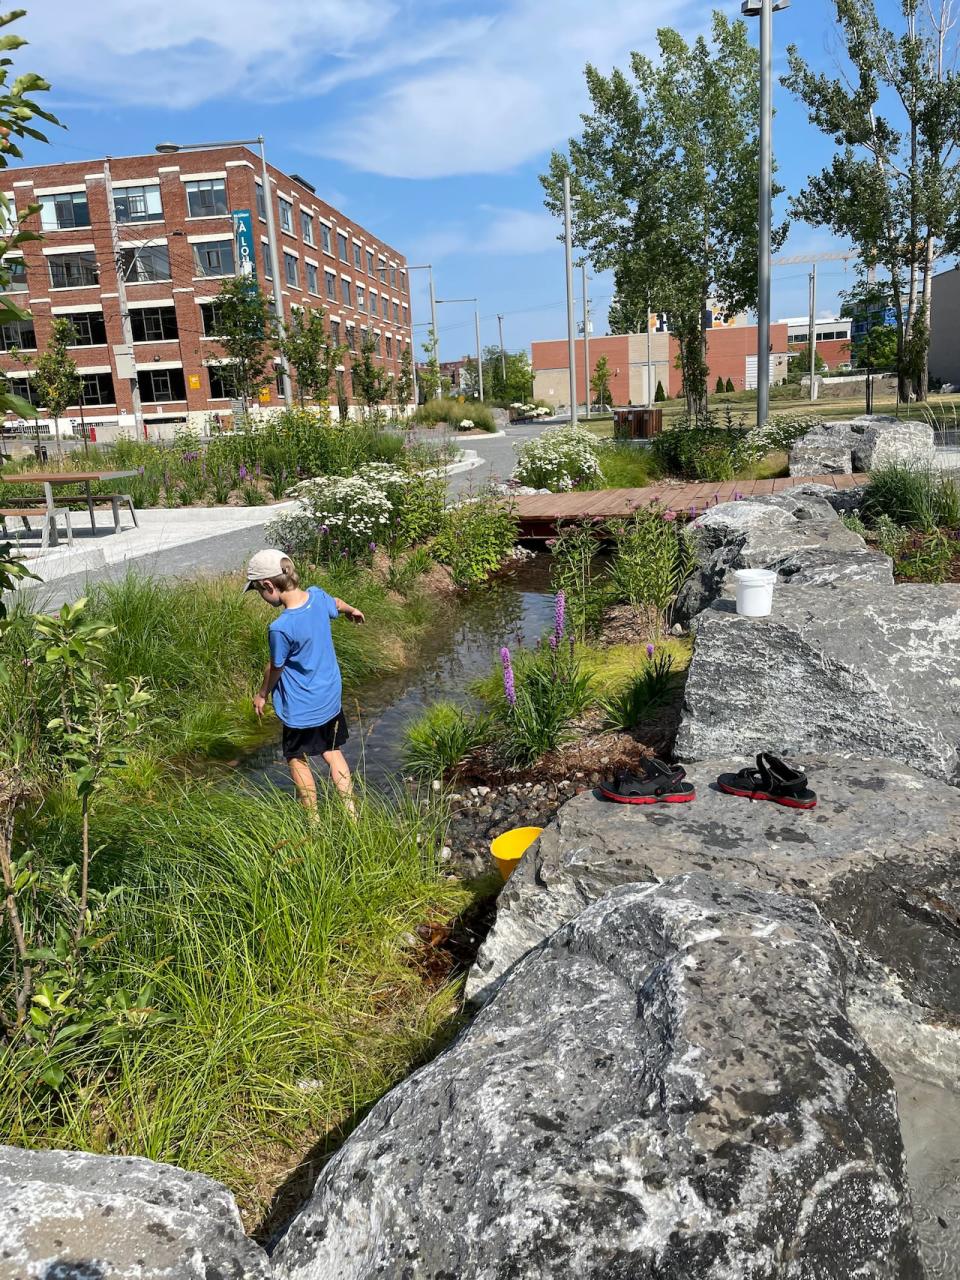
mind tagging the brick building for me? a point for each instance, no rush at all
(833, 339)
(177, 242)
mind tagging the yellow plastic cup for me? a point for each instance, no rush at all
(509, 848)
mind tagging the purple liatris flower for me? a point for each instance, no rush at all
(559, 614)
(324, 528)
(649, 650)
(509, 684)
(242, 473)
(554, 642)
(373, 546)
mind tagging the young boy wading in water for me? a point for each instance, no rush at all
(303, 675)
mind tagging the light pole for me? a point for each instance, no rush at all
(340, 370)
(170, 148)
(571, 323)
(476, 318)
(428, 267)
(764, 10)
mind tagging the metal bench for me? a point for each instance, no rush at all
(43, 514)
(115, 500)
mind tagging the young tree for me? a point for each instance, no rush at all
(245, 335)
(56, 381)
(894, 186)
(307, 348)
(404, 383)
(432, 382)
(660, 395)
(600, 382)
(877, 349)
(800, 364)
(664, 181)
(371, 385)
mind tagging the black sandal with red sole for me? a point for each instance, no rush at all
(771, 780)
(662, 784)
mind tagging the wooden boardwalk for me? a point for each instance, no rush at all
(539, 514)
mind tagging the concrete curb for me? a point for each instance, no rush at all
(468, 462)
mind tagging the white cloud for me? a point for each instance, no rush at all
(507, 233)
(185, 52)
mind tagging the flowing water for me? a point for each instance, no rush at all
(464, 645)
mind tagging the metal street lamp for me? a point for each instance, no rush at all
(428, 267)
(764, 10)
(476, 320)
(170, 148)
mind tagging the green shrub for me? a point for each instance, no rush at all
(719, 387)
(625, 466)
(652, 686)
(452, 412)
(915, 496)
(652, 559)
(930, 559)
(475, 538)
(853, 522)
(544, 691)
(729, 386)
(441, 738)
(561, 459)
(659, 395)
(575, 570)
(712, 447)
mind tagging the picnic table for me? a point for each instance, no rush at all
(26, 508)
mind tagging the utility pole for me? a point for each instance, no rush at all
(586, 342)
(274, 251)
(123, 356)
(813, 332)
(436, 334)
(503, 354)
(649, 361)
(476, 317)
(571, 322)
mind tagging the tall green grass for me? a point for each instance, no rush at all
(625, 466)
(279, 954)
(913, 495)
(452, 412)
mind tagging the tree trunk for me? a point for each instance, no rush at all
(22, 969)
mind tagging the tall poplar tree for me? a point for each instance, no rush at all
(664, 181)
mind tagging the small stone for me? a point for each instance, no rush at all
(483, 791)
(604, 759)
(435, 784)
(474, 791)
(446, 853)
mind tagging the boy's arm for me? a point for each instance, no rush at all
(348, 610)
(270, 677)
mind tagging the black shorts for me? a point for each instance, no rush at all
(314, 742)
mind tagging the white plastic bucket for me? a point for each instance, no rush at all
(755, 592)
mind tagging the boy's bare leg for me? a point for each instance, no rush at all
(340, 776)
(304, 781)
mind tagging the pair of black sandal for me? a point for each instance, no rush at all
(662, 783)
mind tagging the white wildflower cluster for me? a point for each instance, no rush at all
(353, 509)
(466, 424)
(559, 460)
(531, 410)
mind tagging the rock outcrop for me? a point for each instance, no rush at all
(668, 1086)
(872, 670)
(861, 444)
(797, 534)
(70, 1216)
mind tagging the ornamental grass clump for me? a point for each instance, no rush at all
(652, 558)
(561, 459)
(646, 692)
(442, 738)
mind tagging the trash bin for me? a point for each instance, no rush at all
(637, 424)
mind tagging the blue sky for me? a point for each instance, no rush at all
(426, 120)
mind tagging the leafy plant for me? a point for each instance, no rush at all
(651, 687)
(441, 738)
(56, 381)
(931, 558)
(405, 571)
(712, 446)
(475, 538)
(916, 496)
(651, 561)
(853, 522)
(891, 537)
(561, 459)
(309, 351)
(574, 571)
(245, 335)
(544, 691)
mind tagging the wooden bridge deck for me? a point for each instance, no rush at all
(539, 514)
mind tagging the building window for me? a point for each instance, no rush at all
(97, 388)
(382, 271)
(377, 347)
(361, 299)
(267, 262)
(403, 281)
(352, 337)
(206, 198)
(210, 319)
(325, 238)
(89, 329)
(306, 228)
(17, 270)
(369, 262)
(137, 204)
(154, 324)
(22, 387)
(331, 280)
(313, 283)
(389, 345)
(18, 335)
(290, 270)
(345, 293)
(358, 257)
(73, 270)
(286, 215)
(335, 332)
(406, 319)
(385, 307)
(158, 386)
(221, 381)
(143, 264)
(60, 213)
(342, 246)
(261, 203)
(393, 277)
(373, 302)
(213, 258)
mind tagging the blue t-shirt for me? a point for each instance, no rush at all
(310, 687)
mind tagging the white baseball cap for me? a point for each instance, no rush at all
(265, 564)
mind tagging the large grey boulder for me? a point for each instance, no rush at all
(667, 1089)
(66, 1215)
(882, 440)
(798, 534)
(872, 670)
(820, 454)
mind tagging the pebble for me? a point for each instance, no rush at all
(446, 853)
(435, 784)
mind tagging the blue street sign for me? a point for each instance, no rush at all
(243, 234)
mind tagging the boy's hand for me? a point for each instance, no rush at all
(356, 616)
(259, 702)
